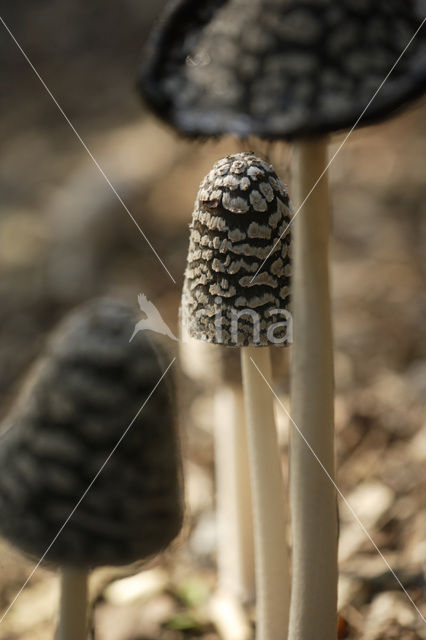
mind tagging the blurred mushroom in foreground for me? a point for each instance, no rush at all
(292, 70)
(241, 213)
(90, 458)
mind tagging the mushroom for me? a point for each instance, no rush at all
(90, 459)
(219, 370)
(294, 71)
(241, 212)
(282, 69)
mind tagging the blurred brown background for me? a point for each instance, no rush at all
(65, 237)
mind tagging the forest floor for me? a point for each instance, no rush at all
(65, 238)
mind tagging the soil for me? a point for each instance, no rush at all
(65, 237)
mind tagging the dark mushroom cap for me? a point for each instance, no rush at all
(79, 400)
(282, 68)
(236, 290)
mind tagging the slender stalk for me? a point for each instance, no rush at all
(235, 555)
(312, 495)
(73, 605)
(269, 509)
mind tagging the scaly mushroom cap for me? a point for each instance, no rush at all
(240, 219)
(282, 68)
(78, 402)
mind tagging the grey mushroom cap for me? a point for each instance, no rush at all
(281, 69)
(78, 402)
(236, 289)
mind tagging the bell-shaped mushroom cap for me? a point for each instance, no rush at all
(282, 68)
(236, 287)
(79, 401)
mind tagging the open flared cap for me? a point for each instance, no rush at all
(90, 463)
(237, 280)
(282, 68)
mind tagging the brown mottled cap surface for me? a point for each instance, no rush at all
(80, 399)
(282, 68)
(236, 287)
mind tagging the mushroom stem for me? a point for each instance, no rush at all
(269, 509)
(73, 605)
(312, 495)
(234, 509)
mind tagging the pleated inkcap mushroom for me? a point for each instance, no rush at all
(241, 218)
(80, 399)
(282, 68)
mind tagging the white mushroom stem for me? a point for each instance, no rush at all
(235, 554)
(73, 605)
(312, 494)
(269, 507)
